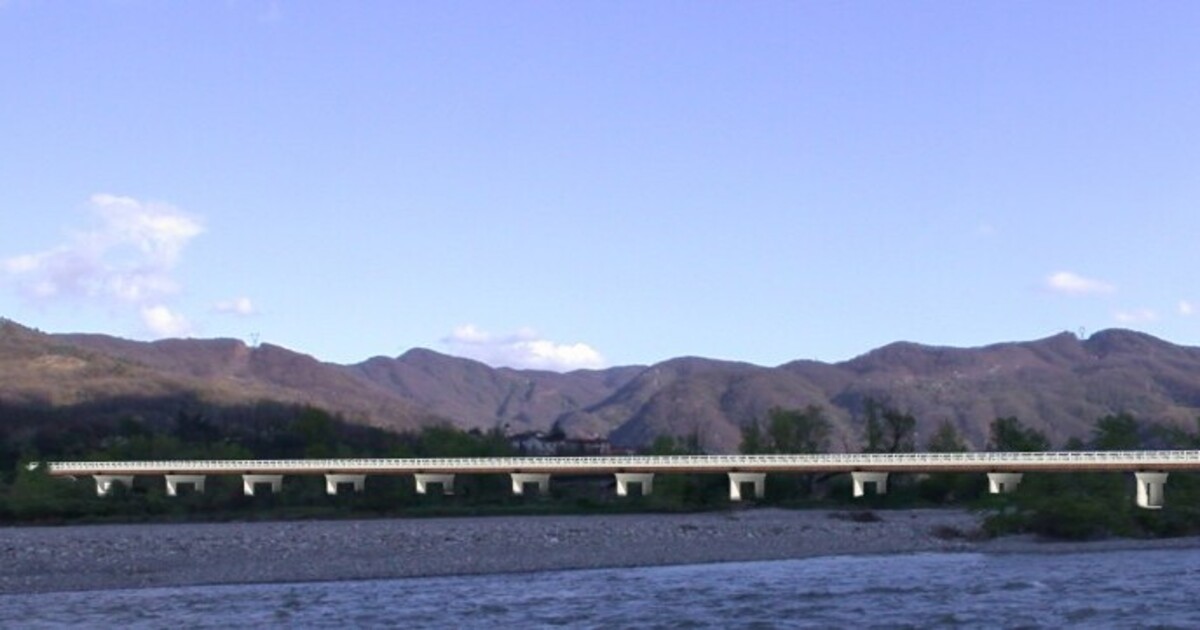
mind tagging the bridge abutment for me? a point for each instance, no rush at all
(1150, 489)
(424, 479)
(736, 480)
(861, 479)
(332, 480)
(645, 480)
(250, 480)
(520, 479)
(1002, 482)
(104, 483)
(173, 481)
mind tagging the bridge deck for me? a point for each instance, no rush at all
(1059, 461)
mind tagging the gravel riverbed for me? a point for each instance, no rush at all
(87, 557)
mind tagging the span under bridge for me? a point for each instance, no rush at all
(747, 473)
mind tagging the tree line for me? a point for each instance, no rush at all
(1058, 505)
(139, 429)
(1052, 504)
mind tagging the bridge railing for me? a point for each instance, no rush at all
(634, 462)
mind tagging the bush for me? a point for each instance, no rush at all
(856, 516)
(1073, 518)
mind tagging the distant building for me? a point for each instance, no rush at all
(585, 446)
(535, 443)
(541, 443)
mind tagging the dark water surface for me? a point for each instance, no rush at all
(1106, 589)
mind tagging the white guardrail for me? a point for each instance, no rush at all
(892, 462)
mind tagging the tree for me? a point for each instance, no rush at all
(664, 445)
(888, 430)
(874, 426)
(195, 428)
(316, 431)
(670, 445)
(797, 430)
(948, 487)
(1118, 432)
(791, 431)
(36, 495)
(901, 431)
(1177, 437)
(788, 431)
(946, 439)
(752, 439)
(1010, 435)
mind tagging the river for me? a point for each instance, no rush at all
(1159, 588)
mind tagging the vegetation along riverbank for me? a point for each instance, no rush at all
(1065, 506)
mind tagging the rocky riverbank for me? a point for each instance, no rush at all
(41, 559)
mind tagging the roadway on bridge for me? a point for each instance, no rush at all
(1058, 461)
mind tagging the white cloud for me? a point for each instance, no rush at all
(1186, 308)
(239, 306)
(1071, 283)
(1138, 316)
(22, 264)
(467, 334)
(164, 322)
(159, 230)
(524, 349)
(126, 259)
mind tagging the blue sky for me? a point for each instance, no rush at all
(581, 184)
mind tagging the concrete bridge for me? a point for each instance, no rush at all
(747, 473)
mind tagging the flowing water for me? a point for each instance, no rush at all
(1102, 589)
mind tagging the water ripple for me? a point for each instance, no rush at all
(1117, 589)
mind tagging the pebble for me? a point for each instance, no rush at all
(86, 557)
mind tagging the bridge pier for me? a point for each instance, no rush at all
(862, 478)
(173, 481)
(248, 481)
(104, 483)
(737, 479)
(332, 480)
(520, 479)
(1002, 482)
(424, 479)
(1150, 489)
(646, 480)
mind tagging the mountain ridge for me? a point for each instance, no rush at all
(1058, 384)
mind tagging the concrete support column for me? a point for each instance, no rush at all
(1150, 489)
(332, 480)
(520, 479)
(1003, 483)
(424, 479)
(737, 479)
(248, 482)
(104, 483)
(646, 480)
(862, 478)
(173, 481)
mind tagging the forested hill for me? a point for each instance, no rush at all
(1059, 385)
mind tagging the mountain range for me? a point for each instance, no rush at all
(1059, 385)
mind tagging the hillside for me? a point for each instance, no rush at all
(1060, 385)
(476, 396)
(66, 370)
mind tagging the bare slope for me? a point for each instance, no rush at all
(1060, 385)
(62, 370)
(478, 396)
